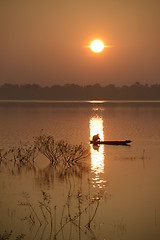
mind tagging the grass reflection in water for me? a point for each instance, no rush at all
(66, 162)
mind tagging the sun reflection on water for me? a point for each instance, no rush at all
(97, 153)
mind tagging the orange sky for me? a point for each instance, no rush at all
(44, 41)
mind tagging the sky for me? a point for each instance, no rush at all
(47, 42)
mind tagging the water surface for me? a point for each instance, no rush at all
(125, 178)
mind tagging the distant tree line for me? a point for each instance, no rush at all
(136, 91)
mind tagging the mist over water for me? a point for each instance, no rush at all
(128, 176)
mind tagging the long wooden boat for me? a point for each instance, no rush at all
(126, 142)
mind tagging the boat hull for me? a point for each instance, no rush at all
(126, 142)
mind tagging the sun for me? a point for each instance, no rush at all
(97, 46)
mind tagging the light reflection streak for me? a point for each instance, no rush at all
(97, 153)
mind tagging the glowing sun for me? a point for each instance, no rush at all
(97, 46)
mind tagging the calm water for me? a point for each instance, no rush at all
(125, 179)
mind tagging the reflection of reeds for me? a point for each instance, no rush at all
(143, 158)
(74, 212)
(67, 162)
(119, 226)
(47, 176)
(33, 214)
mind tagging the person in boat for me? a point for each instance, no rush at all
(96, 138)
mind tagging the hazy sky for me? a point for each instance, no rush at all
(44, 41)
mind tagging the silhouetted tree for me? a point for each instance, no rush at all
(136, 91)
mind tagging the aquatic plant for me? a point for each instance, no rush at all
(66, 162)
(15, 159)
(79, 209)
(65, 159)
(60, 152)
(48, 147)
(8, 235)
(3, 156)
(18, 155)
(23, 154)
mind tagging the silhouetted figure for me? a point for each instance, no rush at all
(96, 138)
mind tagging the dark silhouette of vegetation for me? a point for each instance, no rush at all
(67, 162)
(60, 152)
(136, 91)
(8, 235)
(64, 159)
(79, 209)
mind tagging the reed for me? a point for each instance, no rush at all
(9, 235)
(66, 162)
(65, 159)
(74, 211)
(60, 152)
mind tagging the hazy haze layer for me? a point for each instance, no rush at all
(45, 42)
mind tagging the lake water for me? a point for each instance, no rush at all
(118, 192)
